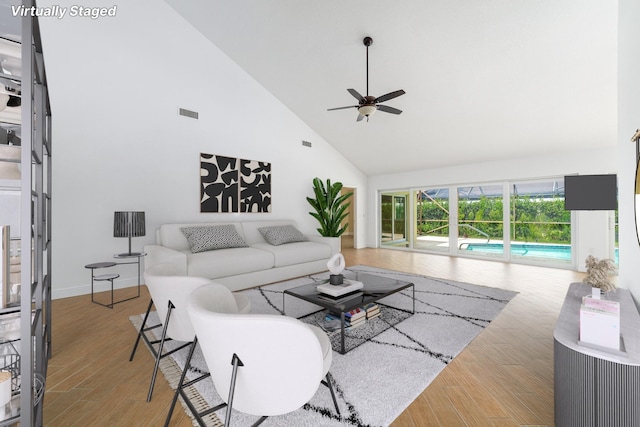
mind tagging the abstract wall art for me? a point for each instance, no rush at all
(255, 186)
(228, 184)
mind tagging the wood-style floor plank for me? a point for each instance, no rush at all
(502, 378)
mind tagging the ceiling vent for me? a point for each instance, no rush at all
(188, 113)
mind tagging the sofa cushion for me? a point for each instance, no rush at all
(252, 234)
(281, 234)
(296, 253)
(207, 238)
(228, 262)
(172, 237)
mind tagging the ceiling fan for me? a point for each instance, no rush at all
(367, 105)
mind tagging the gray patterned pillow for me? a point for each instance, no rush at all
(281, 234)
(207, 238)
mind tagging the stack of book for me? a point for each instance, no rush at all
(372, 310)
(355, 317)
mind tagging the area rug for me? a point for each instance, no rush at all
(378, 379)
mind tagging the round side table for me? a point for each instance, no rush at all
(108, 277)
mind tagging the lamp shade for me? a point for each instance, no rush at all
(128, 224)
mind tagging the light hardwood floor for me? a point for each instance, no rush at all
(503, 378)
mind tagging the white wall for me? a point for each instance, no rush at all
(594, 233)
(119, 144)
(628, 122)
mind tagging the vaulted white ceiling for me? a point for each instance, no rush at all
(484, 80)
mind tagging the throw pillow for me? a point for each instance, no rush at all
(281, 234)
(207, 238)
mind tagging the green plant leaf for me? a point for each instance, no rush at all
(330, 207)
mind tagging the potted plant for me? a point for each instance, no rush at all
(330, 207)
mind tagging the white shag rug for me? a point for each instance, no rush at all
(378, 379)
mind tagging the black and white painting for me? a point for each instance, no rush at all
(255, 186)
(228, 184)
(219, 188)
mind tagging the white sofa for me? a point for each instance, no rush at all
(242, 267)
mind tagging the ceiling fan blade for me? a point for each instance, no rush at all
(360, 117)
(343, 108)
(389, 96)
(356, 95)
(388, 109)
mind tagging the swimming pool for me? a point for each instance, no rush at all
(531, 250)
(559, 252)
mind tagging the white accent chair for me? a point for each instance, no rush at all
(169, 290)
(262, 365)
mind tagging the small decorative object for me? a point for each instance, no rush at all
(599, 273)
(330, 207)
(336, 265)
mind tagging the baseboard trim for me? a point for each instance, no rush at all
(75, 291)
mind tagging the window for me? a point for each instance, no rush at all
(523, 221)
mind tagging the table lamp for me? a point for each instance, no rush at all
(128, 224)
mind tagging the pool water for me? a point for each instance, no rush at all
(533, 250)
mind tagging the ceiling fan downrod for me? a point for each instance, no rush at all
(368, 41)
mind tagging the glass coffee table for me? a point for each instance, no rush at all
(375, 289)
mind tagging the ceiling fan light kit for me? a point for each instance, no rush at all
(367, 105)
(367, 110)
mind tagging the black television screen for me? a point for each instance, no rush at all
(590, 192)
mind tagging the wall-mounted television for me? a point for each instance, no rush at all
(591, 192)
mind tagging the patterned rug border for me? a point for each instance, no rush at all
(172, 373)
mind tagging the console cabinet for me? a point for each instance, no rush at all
(594, 387)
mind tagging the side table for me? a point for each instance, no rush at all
(138, 256)
(102, 277)
(110, 277)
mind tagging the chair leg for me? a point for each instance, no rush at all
(182, 385)
(260, 421)
(187, 365)
(236, 362)
(141, 331)
(159, 356)
(327, 382)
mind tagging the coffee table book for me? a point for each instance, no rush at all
(355, 314)
(347, 286)
(373, 310)
(332, 322)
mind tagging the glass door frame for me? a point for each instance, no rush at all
(407, 243)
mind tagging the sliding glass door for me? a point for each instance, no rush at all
(540, 227)
(432, 219)
(481, 220)
(394, 219)
(523, 221)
